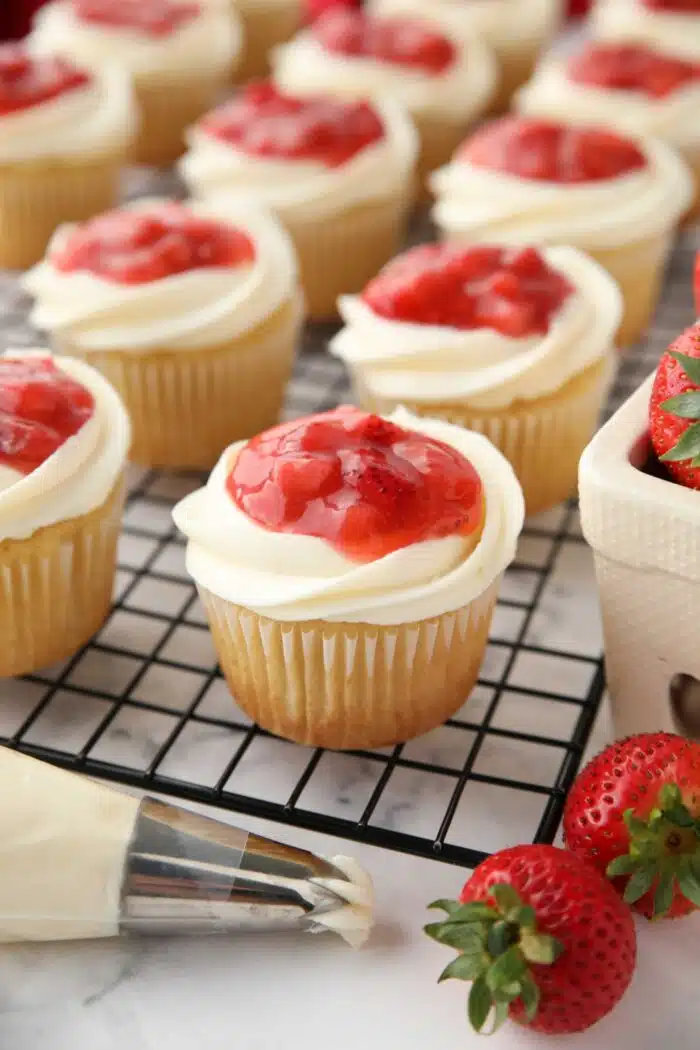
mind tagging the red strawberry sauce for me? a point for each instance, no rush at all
(678, 7)
(27, 81)
(512, 290)
(263, 122)
(549, 152)
(398, 41)
(135, 247)
(632, 67)
(363, 484)
(40, 408)
(155, 18)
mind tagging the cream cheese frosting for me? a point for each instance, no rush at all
(97, 117)
(198, 308)
(207, 43)
(291, 577)
(671, 31)
(488, 370)
(304, 67)
(552, 95)
(300, 188)
(505, 24)
(80, 474)
(481, 204)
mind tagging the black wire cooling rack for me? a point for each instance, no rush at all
(144, 703)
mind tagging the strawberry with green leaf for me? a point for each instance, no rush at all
(543, 938)
(674, 409)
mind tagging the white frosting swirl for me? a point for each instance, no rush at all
(80, 475)
(198, 308)
(94, 118)
(302, 188)
(552, 95)
(672, 31)
(488, 370)
(210, 42)
(480, 204)
(505, 24)
(291, 577)
(304, 67)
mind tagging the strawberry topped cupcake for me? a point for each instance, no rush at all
(617, 197)
(445, 82)
(510, 342)
(338, 174)
(629, 86)
(64, 134)
(64, 439)
(193, 313)
(349, 565)
(266, 23)
(180, 54)
(672, 25)
(518, 31)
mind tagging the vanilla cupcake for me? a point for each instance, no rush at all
(339, 175)
(193, 313)
(349, 565)
(266, 23)
(511, 343)
(672, 25)
(517, 30)
(445, 82)
(64, 135)
(64, 439)
(632, 87)
(619, 199)
(180, 54)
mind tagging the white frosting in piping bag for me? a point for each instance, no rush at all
(291, 577)
(482, 367)
(672, 31)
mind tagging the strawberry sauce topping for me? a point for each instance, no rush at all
(40, 408)
(632, 67)
(678, 7)
(135, 247)
(263, 122)
(363, 484)
(511, 290)
(152, 17)
(27, 81)
(549, 152)
(398, 41)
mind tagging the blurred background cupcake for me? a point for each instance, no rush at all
(266, 23)
(672, 25)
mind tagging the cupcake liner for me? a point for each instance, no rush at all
(350, 685)
(36, 197)
(56, 587)
(338, 254)
(692, 157)
(542, 439)
(186, 406)
(264, 27)
(167, 108)
(439, 138)
(516, 67)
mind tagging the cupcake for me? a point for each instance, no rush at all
(192, 313)
(64, 134)
(266, 23)
(339, 175)
(349, 565)
(445, 82)
(511, 343)
(633, 87)
(64, 439)
(180, 54)
(672, 25)
(520, 180)
(517, 30)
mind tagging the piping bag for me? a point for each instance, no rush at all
(79, 859)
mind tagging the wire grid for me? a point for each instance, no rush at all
(145, 704)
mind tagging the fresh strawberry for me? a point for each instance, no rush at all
(634, 812)
(674, 409)
(544, 939)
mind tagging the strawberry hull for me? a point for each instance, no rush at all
(645, 535)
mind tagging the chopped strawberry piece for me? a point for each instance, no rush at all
(632, 67)
(363, 484)
(680, 7)
(399, 41)
(153, 17)
(27, 80)
(313, 9)
(578, 8)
